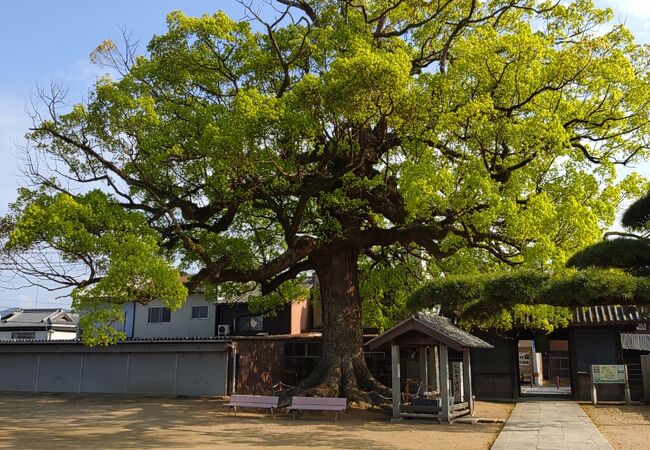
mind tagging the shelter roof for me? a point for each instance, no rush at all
(437, 328)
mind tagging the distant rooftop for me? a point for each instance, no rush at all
(35, 318)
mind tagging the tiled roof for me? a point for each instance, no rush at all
(608, 315)
(240, 298)
(443, 326)
(30, 318)
(126, 341)
(435, 327)
(4, 313)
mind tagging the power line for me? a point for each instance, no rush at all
(27, 300)
(30, 306)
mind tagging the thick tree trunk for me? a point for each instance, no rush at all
(341, 369)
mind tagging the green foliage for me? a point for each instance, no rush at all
(385, 286)
(97, 323)
(454, 293)
(123, 260)
(637, 215)
(271, 304)
(528, 299)
(592, 287)
(628, 254)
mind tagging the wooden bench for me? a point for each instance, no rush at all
(318, 404)
(253, 401)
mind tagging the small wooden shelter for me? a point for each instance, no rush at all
(431, 332)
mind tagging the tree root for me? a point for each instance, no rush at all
(352, 381)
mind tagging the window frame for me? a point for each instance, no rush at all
(15, 333)
(200, 308)
(259, 320)
(162, 311)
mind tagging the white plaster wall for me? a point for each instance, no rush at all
(64, 335)
(181, 325)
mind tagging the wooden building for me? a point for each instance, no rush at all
(433, 337)
(564, 357)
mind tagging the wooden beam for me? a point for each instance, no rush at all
(459, 413)
(394, 359)
(415, 341)
(420, 409)
(444, 382)
(459, 406)
(420, 416)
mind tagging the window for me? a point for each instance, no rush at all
(200, 312)
(23, 335)
(250, 323)
(160, 315)
(302, 349)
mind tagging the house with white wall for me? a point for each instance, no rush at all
(198, 317)
(38, 324)
(195, 318)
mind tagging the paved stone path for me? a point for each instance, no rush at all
(549, 425)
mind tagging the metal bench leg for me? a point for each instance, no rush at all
(295, 413)
(336, 417)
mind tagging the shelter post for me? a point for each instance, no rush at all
(444, 382)
(394, 359)
(467, 380)
(433, 367)
(424, 367)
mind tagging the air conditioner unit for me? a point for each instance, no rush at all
(223, 330)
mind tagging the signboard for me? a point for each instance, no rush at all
(524, 358)
(457, 380)
(608, 374)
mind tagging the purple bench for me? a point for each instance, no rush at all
(318, 404)
(253, 401)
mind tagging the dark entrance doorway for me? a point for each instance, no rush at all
(544, 366)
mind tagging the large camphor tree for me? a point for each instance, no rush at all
(318, 135)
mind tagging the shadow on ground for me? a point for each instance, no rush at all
(64, 421)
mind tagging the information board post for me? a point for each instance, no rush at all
(594, 392)
(628, 396)
(609, 374)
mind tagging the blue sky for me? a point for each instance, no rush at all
(43, 41)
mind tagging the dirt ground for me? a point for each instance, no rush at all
(625, 427)
(64, 421)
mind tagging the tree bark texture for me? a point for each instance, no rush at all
(341, 369)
